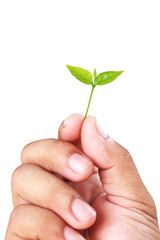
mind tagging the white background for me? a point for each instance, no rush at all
(38, 38)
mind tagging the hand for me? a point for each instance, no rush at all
(61, 182)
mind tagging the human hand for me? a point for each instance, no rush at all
(44, 201)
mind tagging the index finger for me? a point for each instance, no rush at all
(70, 128)
(60, 157)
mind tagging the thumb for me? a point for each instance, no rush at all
(117, 171)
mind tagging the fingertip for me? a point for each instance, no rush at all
(90, 118)
(70, 128)
(88, 125)
(95, 143)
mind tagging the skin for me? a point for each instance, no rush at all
(44, 189)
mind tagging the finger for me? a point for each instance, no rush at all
(70, 128)
(33, 222)
(117, 170)
(35, 185)
(60, 157)
(72, 125)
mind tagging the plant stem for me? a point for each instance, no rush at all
(93, 86)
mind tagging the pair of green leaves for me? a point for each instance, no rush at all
(86, 77)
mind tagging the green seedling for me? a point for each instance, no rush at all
(86, 77)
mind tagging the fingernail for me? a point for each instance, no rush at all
(101, 131)
(63, 124)
(78, 163)
(71, 234)
(82, 211)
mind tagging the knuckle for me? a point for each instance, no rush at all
(56, 146)
(19, 172)
(50, 222)
(16, 215)
(24, 152)
(15, 174)
(47, 219)
(59, 147)
(151, 206)
(126, 154)
(45, 222)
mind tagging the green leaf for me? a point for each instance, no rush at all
(95, 73)
(81, 74)
(106, 77)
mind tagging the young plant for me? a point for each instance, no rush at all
(86, 77)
